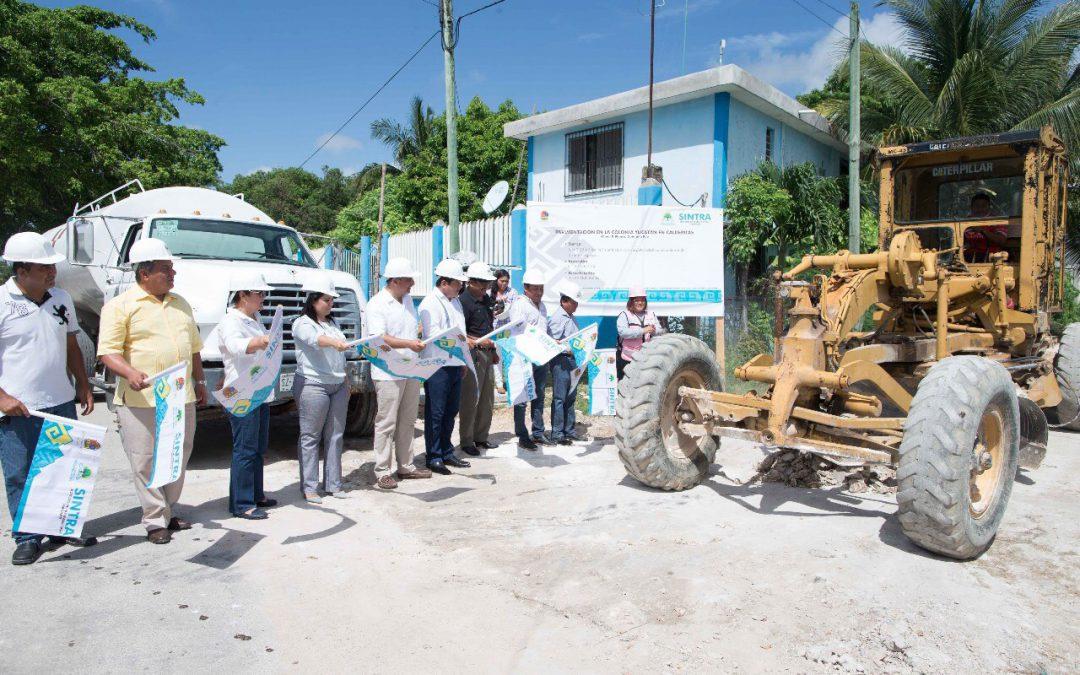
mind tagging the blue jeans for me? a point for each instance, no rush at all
(540, 378)
(442, 399)
(18, 440)
(250, 438)
(563, 397)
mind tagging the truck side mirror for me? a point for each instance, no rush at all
(80, 241)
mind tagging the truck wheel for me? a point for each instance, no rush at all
(89, 352)
(650, 444)
(360, 420)
(1067, 369)
(958, 456)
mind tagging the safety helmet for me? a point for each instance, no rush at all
(451, 269)
(30, 247)
(149, 250)
(397, 268)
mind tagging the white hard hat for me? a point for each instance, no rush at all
(149, 250)
(451, 269)
(30, 247)
(397, 268)
(480, 270)
(569, 289)
(247, 280)
(638, 292)
(533, 278)
(320, 283)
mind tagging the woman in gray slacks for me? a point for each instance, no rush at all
(320, 390)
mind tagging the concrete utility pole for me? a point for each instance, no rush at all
(446, 18)
(378, 245)
(854, 133)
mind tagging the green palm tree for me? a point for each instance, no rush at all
(406, 140)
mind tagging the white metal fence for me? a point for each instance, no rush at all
(416, 246)
(489, 239)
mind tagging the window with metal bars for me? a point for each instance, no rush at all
(594, 160)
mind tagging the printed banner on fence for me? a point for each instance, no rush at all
(407, 365)
(603, 382)
(675, 253)
(56, 497)
(170, 397)
(517, 372)
(453, 343)
(256, 384)
(537, 346)
(582, 345)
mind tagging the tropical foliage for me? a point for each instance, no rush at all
(75, 119)
(299, 198)
(406, 140)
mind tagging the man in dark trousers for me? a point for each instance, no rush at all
(478, 393)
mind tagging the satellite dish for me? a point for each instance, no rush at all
(495, 196)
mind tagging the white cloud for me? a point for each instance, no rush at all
(339, 143)
(803, 60)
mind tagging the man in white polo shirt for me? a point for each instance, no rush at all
(392, 314)
(38, 350)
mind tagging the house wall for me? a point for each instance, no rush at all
(682, 145)
(746, 143)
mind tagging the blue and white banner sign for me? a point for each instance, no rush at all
(603, 382)
(517, 372)
(582, 345)
(676, 254)
(254, 384)
(170, 397)
(453, 343)
(537, 346)
(56, 497)
(398, 362)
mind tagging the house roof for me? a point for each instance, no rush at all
(743, 86)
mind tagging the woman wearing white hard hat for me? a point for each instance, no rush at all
(391, 315)
(320, 390)
(439, 311)
(636, 326)
(240, 336)
(38, 350)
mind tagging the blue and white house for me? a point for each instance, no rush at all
(708, 128)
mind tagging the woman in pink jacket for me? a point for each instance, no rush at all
(636, 325)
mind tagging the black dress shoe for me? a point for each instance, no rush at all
(456, 463)
(266, 503)
(486, 445)
(78, 542)
(26, 552)
(471, 450)
(438, 467)
(542, 440)
(564, 441)
(527, 444)
(253, 514)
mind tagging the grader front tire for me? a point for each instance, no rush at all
(958, 457)
(650, 444)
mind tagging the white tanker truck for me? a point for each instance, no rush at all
(212, 234)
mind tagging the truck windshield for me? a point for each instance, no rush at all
(990, 188)
(230, 240)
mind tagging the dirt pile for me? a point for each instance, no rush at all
(802, 469)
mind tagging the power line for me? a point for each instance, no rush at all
(370, 98)
(828, 6)
(819, 18)
(457, 24)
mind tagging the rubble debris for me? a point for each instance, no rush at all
(807, 470)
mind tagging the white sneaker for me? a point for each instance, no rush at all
(337, 495)
(313, 499)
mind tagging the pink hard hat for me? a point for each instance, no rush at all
(637, 292)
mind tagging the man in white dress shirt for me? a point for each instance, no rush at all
(529, 310)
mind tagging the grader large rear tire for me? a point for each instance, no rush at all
(958, 456)
(650, 445)
(1067, 369)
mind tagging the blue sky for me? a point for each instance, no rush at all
(278, 75)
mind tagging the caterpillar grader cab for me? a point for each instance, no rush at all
(933, 354)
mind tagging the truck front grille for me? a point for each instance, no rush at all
(346, 314)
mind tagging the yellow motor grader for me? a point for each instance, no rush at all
(950, 379)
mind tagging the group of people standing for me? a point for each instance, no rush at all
(148, 329)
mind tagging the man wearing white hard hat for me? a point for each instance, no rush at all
(562, 325)
(320, 389)
(391, 314)
(478, 392)
(240, 334)
(38, 349)
(441, 310)
(529, 310)
(143, 331)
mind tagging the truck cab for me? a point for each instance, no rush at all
(212, 235)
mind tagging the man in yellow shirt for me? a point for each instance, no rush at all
(143, 331)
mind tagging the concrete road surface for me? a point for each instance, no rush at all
(553, 561)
